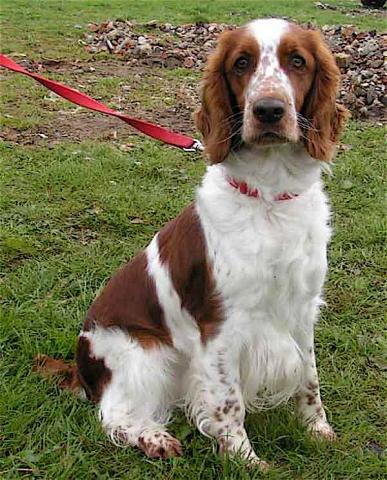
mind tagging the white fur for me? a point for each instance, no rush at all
(268, 259)
(269, 262)
(183, 328)
(139, 396)
(269, 79)
(275, 254)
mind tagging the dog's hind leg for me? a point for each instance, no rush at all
(138, 391)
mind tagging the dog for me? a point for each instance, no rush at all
(217, 314)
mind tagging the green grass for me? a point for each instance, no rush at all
(71, 213)
(52, 28)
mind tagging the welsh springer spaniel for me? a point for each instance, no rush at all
(217, 313)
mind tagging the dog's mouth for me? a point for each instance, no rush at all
(270, 138)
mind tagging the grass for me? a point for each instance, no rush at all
(51, 28)
(71, 213)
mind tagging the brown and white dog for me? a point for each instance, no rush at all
(217, 313)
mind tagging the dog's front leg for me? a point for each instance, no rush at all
(216, 403)
(308, 400)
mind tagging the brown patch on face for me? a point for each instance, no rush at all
(92, 372)
(297, 42)
(316, 88)
(182, 249)
(311, 399)
(223, 88)
(129, 302)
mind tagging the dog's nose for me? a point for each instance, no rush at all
(269, 110)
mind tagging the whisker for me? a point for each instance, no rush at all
(305, 123)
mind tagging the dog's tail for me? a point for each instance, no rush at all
(65, 373)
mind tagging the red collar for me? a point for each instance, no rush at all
(243, 188)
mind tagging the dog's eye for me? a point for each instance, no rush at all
(297, 61)
(241, 64)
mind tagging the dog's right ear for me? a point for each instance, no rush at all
(213, 119)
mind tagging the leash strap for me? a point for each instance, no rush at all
(155, 131)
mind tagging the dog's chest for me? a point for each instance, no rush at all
(269, 262)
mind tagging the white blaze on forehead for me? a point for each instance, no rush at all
(268, 32)
(269, 75)
(269, 79)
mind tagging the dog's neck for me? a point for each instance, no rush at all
(272, 170)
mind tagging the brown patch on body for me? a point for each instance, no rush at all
(182, 249)
(92, 372)
(129, 302)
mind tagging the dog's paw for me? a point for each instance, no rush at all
(160, 445)
(256, 462)
(322, 430)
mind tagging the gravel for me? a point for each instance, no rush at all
(361, 56)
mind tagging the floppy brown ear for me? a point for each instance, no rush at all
(213, 119)
(326, 117)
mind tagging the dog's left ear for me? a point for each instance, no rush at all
(326, 117)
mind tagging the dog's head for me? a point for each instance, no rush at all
(270, 82)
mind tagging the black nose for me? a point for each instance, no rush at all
(269, 110)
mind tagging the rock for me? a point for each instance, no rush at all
(364, 111)
(359, 55)
(141, 40)
(93, 27)
(376, 64)
(348, 31)
(145, 49)
(366, 73)
(371, 96)
(343, 59)
(368, 48)
(189, 62)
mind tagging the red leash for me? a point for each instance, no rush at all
(155, 131)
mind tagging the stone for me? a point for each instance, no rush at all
(189, 62)
(343, 59)
(359, 54)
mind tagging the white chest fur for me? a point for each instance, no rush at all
(269, 262)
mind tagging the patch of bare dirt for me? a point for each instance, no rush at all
(79, 124)
(142, 54)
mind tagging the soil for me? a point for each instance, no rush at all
(79, 124)
(144, 62)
